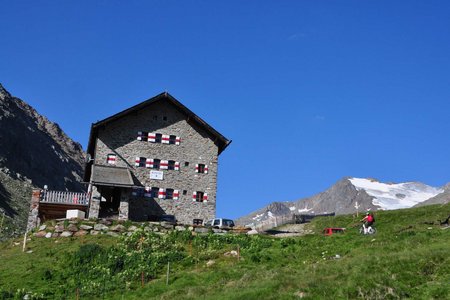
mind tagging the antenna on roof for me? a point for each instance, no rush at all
(165, 92)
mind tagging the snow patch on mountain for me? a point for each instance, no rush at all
(395, 196)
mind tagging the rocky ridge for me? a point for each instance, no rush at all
(342, 197)
(34, 152)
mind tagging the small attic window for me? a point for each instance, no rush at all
(111, 159)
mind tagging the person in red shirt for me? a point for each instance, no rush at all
(368, 221)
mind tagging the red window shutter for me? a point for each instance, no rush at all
(165, 139)
(149, 163)
(137, 162)
(139, 137)
(111, 159)
(194, 196)
(206, 169)
(177, 166)
(176, 194)
(161, 194)
(177, 140)
(152, 137)
(205, 197)
(196, 168)
(164, 165)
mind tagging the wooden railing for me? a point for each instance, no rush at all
(64, 197)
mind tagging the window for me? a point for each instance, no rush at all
(160, 138)
(199, 196)
(142, 136)
(198, 221)
(156, 163)
(184, 192)
(140, 162)
(111, 159)
(201, 168)
(186, 164)
(138, 192)
(171, 165)
(216, 222)
(154, 192)
(169, 193)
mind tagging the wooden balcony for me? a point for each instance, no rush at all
(54, 204)
(66, 198)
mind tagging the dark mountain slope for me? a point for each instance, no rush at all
(33, 152)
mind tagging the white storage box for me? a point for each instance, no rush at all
(75, 213)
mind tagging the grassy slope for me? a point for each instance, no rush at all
(405, 259)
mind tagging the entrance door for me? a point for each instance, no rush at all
(109, 205)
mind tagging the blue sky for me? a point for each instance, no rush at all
(309, 91)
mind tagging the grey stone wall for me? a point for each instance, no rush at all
(196, 147)
(94, 207)
(33, 216)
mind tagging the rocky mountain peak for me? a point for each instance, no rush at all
(34, 152)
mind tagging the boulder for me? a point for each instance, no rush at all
(80, 233)
(201, 230)
(94, 232)
(118, 228)
(231, 253)
(167, 225)
(112, 233)
(40, 234)
(86, 227)
(252, 232)
(132, 228)
(48, 235)
(105, 222)
(72, 227)
(55, 235)
(66, 234)
(59, 228)
(100, 227)
(180, 228)
(210, 263)
(42, 227)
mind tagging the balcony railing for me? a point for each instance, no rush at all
(58, 197)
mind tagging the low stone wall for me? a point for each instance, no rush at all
(76, 227)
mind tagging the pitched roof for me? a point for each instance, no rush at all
(111, 176)
(221, 141)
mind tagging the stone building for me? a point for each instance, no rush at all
(153, 159)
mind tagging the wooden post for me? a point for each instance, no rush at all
(24, 241)
(238, 253)
(1, 224)
(142, 279)
(168, 271)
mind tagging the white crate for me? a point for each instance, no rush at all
(75, 213)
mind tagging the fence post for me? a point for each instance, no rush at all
(168, 271)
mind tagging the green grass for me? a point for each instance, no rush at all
(406, 259)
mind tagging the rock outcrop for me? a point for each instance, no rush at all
(33, 152)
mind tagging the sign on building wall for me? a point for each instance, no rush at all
(158, 175)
